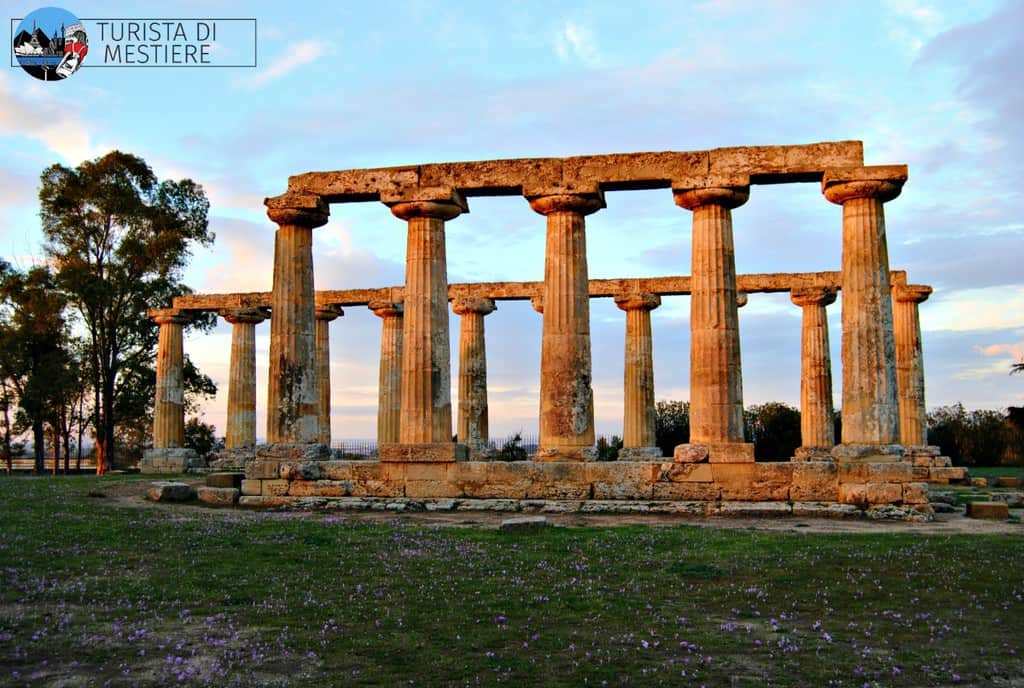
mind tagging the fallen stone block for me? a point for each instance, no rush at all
(1008, 481)
(224, 479)
(169, 491)
(996, 511)
(218, 496)
(524, 524)
(979, 482)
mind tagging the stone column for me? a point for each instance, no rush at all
(910, 364)
(638, 441)
(566, 397)
(472, 425)
(293, 398)
(870, 409)
(425, 432)
(324, 316)
(817, 433)
(716, 397)
(389, 392)
(241, 422)
(168, 454)
(537, 304)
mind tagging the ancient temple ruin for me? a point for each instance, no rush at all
(881, 459)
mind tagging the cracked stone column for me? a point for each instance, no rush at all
(324, 316)
(425, 432)
(293, 398)
(472, 425)
(817, 434)
(389, 393)
(241, 420)
(168, 454)
(910, 364)
(566, 397)
(638, 441)
(870, 407)
(716, 387)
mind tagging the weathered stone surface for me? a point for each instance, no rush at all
(909, 362)
(390, 378)
(853, 493)
(218, 496)
(690, 453)
(685, 473)
(686, 491)
(816, 427)
(423, 452)
(807, 453)
(640, 454)
(816, 481)
(638, 384)
(241, 420)
(827, 510)
(524, 524)
(979, 482)
(883, 493)
(915, 493)
(318, 488)
(252, 488)
(224, 479)
(169, 405)
(889, 512)
(472, 428)
(302, 470)
(871, 472)
(753, 509)
(288, 451)
(265, 502)
(1008, 481)
(948, 474)
(753, 482)
(997, 511)
(166, 460)
(867, 452)
(167, 491)
(324, 316)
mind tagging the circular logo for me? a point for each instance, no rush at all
(50, 44)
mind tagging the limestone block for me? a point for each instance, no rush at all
(442, 504)
(998, 511)
(947, 474)
(812, 454)
(224, 479)
(979, 482)
(700, 492)
(642, 472)
(437, 472)
(870, 453)
(883, 493)
(814, 481)
(274, 488)
(285, 451)
(753, 509)
(489, 505)
(252, 488)
(827, 510)
(218, 496)
(622, 490)
(304, 470)
(853, 493)
(317, 488)
(731, 452)
(264, 502)
(922, 473)
(336, 470)
(423, 452)
(553, 488)
(167, 491)
(432, 488)
(871, 472)
(376, 488)
(1008, 481)
(263, 470)
(754, 482)
(683, 473)
(943, 461)
(640, 454)
(524, 524)
(915, 493)
(690, 453)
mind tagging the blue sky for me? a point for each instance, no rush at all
(935, 85)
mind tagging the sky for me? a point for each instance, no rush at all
(934, 85)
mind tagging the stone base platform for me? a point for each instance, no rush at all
(170, 460)
(862, 485)
(930, 467)
(426, 452)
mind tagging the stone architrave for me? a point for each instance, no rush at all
(425, 432)
(566, 396)
(324, 316)
(169, 454)
(716, 383)
(910, 363)
(389, 393)
(241, 420)
(473, 424)
(638, 440)
(537, 304)
(293, 395)
(817, 434)
(870, 408)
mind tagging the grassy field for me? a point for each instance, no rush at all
(997, 471)
(94, 593)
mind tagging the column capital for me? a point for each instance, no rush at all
(915, 293)
(329, 313)
(304, 210)
(442, 203)
(383, 308)
(537, 303)
(637, 301)
(583, 203)
(742, 298)
(812, 296)
(727, 195)
(883, 182)
(471, 304)
(244, 315)
(169, 316)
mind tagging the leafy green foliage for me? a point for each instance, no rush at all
(975, 438)
(671, 425)
(200, 436)
(774, 428)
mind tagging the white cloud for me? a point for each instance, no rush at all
(36, 115)
(575, 41)
(975, 309)
(294, 56)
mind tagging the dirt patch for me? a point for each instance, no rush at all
(131, 494)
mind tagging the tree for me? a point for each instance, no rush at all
(120, 240)
(671, 425)
(774, 428)
(34, 359)
(199, 436)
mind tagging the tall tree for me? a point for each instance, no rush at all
(120, 240)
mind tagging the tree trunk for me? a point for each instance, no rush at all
(55, 442)
(39, 447)
(5, 402)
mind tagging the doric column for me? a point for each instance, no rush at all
(910, 363)
(241, 421)
(638, 441)
(292, 400)
(566, 397)
(817, 434)
(169, 409)
(389, 392)
(716, 397)
(324, 316)
(870, 409)
(472, 425)
(425, 432)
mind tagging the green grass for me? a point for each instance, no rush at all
(996, 471)
(94, 592)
